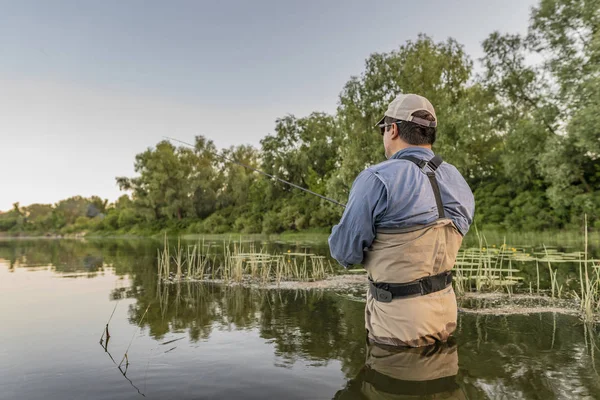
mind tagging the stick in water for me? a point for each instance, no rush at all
(105, 331)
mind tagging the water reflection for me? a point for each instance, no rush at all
(203, 335)
(529, 356)
(318, 326)
(429, 372)
(79, 256)
(122, 369)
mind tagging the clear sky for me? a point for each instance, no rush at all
(86, 85)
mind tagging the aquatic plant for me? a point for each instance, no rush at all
(237, 262)
(589, 296)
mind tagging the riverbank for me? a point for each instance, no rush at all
(562, 238)
(319, 235)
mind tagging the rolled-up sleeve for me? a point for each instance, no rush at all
(356, 230)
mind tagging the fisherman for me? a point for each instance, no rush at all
(404, 222)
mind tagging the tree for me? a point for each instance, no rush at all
(173, 182)
(438, 71)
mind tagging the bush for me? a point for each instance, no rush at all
(81, 223)
(248, 224)
(111, 221)
(325, 216)
(195, 227)
(271, 223)
(530, 212)
(492, 204)
(215, 224)
(288, 216)
(301, 222)
(127, 218)
(586, 204)
(7, 224)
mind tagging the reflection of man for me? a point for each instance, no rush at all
(403, 372)
(405, 221)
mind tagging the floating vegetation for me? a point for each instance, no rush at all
(238, 261)
(490, 269)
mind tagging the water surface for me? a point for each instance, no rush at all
(201, 341)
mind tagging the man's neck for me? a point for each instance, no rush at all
(404, 145)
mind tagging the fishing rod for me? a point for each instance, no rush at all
(264, 173)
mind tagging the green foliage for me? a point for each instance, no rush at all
(272, 223)
(525, 135)
(216, 223)
(248, 224)
(8, 221)
(111, 222)
(127, 217)
(530, 212)
(492, 204)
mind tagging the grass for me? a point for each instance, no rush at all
(238, 261)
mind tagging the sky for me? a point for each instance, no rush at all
(86, 85)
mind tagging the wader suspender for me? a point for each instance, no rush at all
(433, 164)
(385, 292)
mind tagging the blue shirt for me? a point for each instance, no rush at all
(398, 194)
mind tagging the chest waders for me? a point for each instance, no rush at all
(385, 291)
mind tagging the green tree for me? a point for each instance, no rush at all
(173, 182)
(67, 211)
(438, 71)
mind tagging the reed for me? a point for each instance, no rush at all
(589, 298)
(485, 267)
(192, 261)
(537, 270)
(239, 261)
(179, 260)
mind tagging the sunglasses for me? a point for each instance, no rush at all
(383, 127)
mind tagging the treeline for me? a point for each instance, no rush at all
(525, 135)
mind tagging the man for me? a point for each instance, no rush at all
(404, 221)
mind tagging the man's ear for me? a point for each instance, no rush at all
(394, 133)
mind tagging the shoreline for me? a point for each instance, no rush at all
(564, 237)
(306, 236)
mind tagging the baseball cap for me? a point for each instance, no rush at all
(404, 105)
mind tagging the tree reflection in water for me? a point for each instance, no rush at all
(518, 356)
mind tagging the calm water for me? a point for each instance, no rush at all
(203, 341)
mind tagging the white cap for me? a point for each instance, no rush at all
(403, 107)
